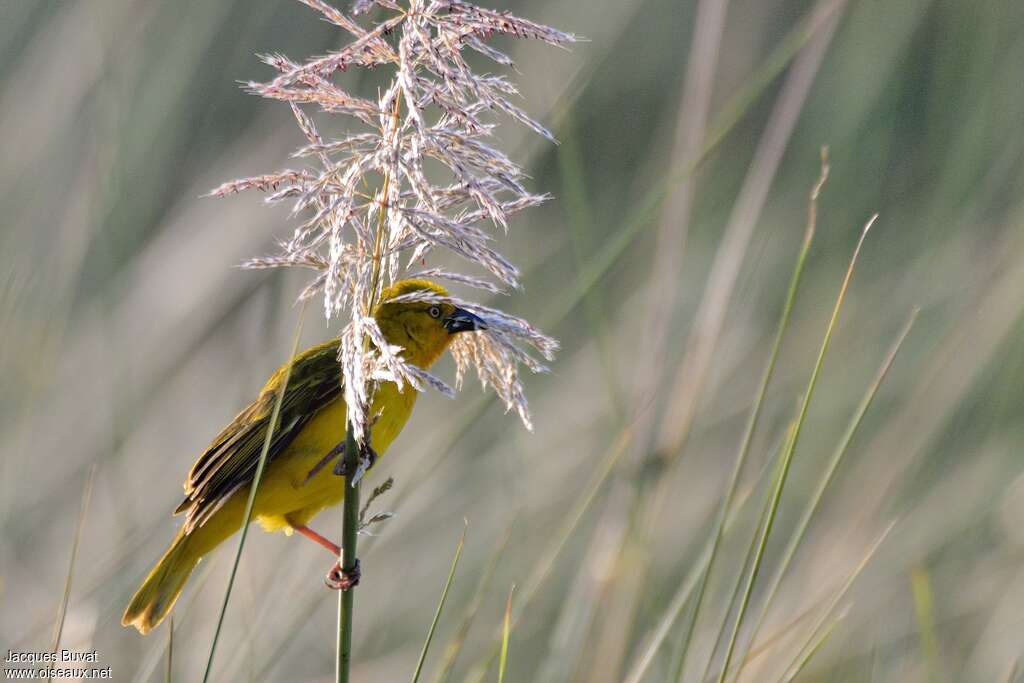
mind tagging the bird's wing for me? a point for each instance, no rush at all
(230, 461)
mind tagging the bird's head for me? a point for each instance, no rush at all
(423, 329)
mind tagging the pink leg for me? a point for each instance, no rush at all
(317, 538)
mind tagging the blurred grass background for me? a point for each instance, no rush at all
(129, 340)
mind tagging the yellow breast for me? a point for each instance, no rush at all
(287, 495)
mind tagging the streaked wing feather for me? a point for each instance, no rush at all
(230, 461)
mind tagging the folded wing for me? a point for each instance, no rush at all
(230, 461)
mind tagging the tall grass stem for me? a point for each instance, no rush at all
(755, 414)
(440, 605)
(787, 457)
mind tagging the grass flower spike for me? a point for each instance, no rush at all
(371, 207)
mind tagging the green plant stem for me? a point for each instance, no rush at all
(827, 477)
(682, 595)
(349, 532)
(257, 477)
(787, 457)
(755, 414)
(453, 648)
(440, 605)
(506, 634)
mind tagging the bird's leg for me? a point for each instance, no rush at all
(317, 538)
(335, 452)
(340, 580)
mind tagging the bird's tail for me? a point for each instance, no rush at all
(157, 594)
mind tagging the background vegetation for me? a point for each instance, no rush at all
(128, 341)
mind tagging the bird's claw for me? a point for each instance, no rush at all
(367, 459)
(340, 580)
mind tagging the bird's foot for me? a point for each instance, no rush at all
(367, 459)
(340, 580)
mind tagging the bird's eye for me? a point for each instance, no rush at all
(434, 311)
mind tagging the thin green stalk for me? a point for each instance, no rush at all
(681, 597)
(349, 532)
(257, 477)
(748, 560)
(755, 415)
(350, 507)
(58, 626)
(440, 605)
(827, 477)
(788, 455)
(453, 648)
(506, 634)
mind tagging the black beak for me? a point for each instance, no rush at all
(463, 321)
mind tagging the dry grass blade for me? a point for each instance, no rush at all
(252, 493)
(440, 604)
(771, 66)
(755, 414)
(506, 634)
(1011, 675)
(815, 645)
(820, 625)
(828, 475)
(662, 290)
(787, 456)
(729, 257)
(58, 626)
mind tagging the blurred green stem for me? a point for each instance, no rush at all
(755, 414)
(253, 488)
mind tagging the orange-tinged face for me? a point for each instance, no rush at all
(423, 329)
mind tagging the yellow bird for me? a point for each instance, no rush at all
(295, 485)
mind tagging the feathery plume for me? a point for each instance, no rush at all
(368, 208)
